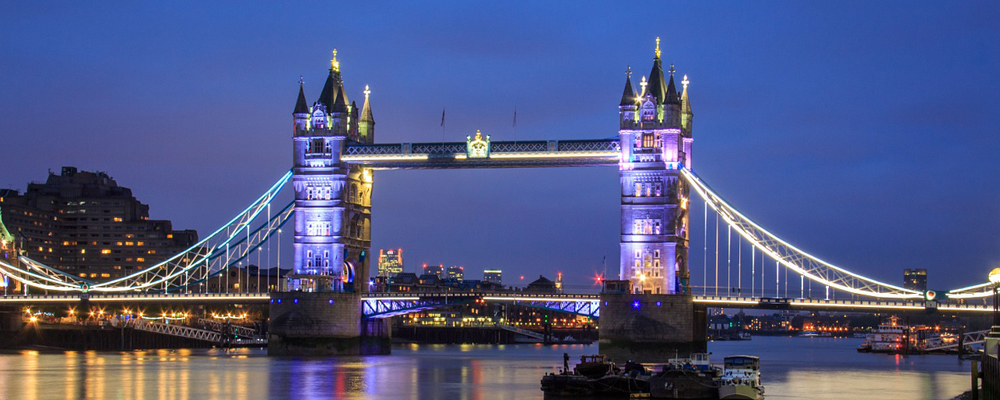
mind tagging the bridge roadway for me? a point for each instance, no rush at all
(587, 304)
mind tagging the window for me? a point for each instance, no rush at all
(656, 253)
(647, 140)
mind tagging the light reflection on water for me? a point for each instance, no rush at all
(793, 368)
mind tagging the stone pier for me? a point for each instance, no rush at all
(651, 327)
(324, 324)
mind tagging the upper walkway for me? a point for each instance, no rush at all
(519, 154)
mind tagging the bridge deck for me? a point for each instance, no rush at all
(712, 301)
(451, 155)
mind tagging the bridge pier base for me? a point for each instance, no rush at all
(324, 324)
(651, 327)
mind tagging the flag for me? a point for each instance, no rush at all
(515, 116)
(442, 117)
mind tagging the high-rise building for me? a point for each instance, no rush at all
(915, 279)
(390, 262)
(86, 225)
(655, 137)
(434, 270)
(493, 275)
(456, 273)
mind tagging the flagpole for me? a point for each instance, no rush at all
(515, 124)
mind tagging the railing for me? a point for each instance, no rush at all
(228, 328)
(523, 332)
(176, 330)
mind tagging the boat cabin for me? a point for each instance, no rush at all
(742, 362)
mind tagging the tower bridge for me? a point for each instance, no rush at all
(334, 161)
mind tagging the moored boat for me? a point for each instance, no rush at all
(741, 379)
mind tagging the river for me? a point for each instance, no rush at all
(792, 368)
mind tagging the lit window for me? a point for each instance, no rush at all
(118, 219)
(82, 251)
(105, 251)
(170, 236)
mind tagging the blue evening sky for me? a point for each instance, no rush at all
(865, 133)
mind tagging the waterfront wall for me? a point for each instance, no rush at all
(650, 327)
(92, 337)
(324, 324)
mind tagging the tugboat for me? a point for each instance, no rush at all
(741, 379)
(633, 381)
(686, 378)
(580, 381)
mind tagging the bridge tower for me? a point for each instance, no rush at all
(655, 137)
(332, 198)
(320, 313)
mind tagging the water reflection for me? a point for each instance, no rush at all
(793, 368)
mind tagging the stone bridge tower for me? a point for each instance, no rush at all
(655, 137)
(332, 198)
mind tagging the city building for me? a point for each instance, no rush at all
(86, 225)
(493, 275)
(456, 273)
(434, 270)
(390, 262)
(541, 285)
(915, 279)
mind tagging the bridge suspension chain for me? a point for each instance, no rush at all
(784, 254)
(234, 241)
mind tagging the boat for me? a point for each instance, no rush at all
(891, 336)
(632, 381)
(686, 378)
(594, 366)
(581, 381)
(741, 379)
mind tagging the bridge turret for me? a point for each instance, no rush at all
(300, 115)
(627, 107)
(366, 124)
(687, 120)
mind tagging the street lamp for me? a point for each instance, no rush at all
(995, 280)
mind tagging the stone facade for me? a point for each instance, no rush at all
(324, 324)
(655, 137)
(650, 328)
(332, 198)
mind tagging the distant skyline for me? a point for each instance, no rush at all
(863, 133)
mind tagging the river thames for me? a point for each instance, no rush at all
(792, 368)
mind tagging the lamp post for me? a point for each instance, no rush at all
(995, 280)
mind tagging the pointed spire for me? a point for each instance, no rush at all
(628, 96)
(340, 104)
(685, 102)
(671, 95)
(657, 85)
(333, 85)
(301, 107)
(334, 64)
(366, 109)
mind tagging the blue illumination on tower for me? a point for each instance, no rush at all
(332, 197)
(655, 138)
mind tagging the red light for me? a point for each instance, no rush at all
(522, 277)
